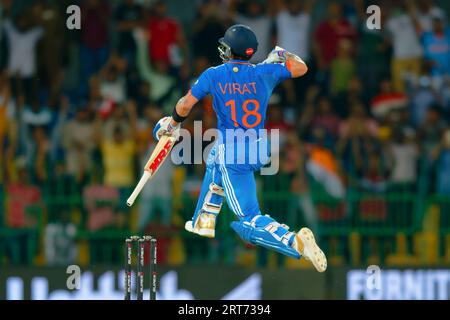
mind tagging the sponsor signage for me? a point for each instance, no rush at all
(394, 284)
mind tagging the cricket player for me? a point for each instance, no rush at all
(241, 92)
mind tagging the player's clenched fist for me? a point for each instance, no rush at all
(277, 55)
(164, 127)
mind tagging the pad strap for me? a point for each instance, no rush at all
(210, 207)
(215, 188)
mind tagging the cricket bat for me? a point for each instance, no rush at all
(153, 164)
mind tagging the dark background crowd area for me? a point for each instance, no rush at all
(77, 107)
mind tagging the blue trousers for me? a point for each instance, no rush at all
(237, 180)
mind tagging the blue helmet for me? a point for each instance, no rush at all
(238, 40)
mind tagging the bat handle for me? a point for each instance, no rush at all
(138, 188)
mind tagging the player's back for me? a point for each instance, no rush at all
(241, 92)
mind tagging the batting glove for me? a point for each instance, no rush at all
(164, 127)
(277, 55)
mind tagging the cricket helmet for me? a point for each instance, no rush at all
(238, 40)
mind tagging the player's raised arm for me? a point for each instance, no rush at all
(296, 66)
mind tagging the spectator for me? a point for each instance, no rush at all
(22, 41)
(436, 44)
(293, 27)
(329, 33)
(118, 150)
(94, 50)
(79, 141)
(123, 116)
(342, 68)
(162, 85)
(404, 154)
(208, 25)
(357, 140)
(407, 49)
(422, 97)
(31, 116)
(118, 161)
(112, 80)
(166, 41)
(128, 16)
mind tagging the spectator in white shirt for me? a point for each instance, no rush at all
(22, 41)
(407, 51)
(293, 26)
(404, 154)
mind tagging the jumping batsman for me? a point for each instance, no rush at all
(241, 92)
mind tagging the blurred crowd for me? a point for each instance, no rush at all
(77, 106)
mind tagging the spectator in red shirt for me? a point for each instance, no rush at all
(166, 37)
(329, 33)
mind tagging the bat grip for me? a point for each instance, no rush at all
(138, 188)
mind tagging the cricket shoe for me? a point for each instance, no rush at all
(205, 225)
(306, 245)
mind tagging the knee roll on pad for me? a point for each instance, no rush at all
(213, 199)
(261, 231)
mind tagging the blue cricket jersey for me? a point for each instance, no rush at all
(241, 92)
(437, 49)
